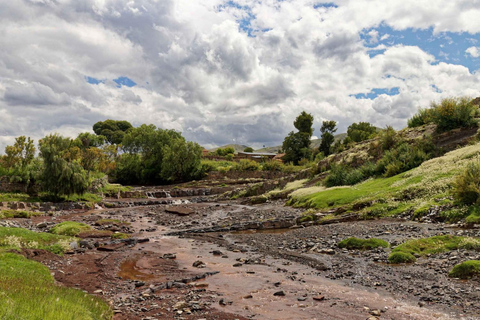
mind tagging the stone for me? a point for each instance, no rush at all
(169, 256)
(375, 313)
(199, 264)
(279, 293)
(319, 298)
(180, 210)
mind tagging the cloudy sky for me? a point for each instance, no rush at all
(230, 71)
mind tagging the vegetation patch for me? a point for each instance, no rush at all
(18, 238)
(28, 292)
(466, 270)
(401, 257)
(8, 213)
(70, 228)
(436, 244)
(362, 244)
(120, 235)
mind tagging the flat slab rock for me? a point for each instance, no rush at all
(180, 210)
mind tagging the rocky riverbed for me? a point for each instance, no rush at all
(198, 261)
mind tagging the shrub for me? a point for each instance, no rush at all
(423, 116)
(388, 138)
(248, 149)
(246, 165)
(363, 244)
(401, 257)
(272, 165)
(466, 270)
(70, 228)
(341, 175)
(453, 113)
(466, 187)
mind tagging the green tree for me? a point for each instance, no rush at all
(112, 130)
(248, 149)
(20, 154)
(87, 139)
(158, 156)
(361, 131)
(62, 172)
(328, 129)
(296, 145)
(304, 123)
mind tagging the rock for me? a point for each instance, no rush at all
(42, 225)
(238, 264)
(180, 210)
(375, 313)
(280, 293)
(225, 302)
(180, 305)
(74, 245)
(319, 298)
(169, 256)
(199, 264)
(248, 296)
(217, 253)
(139, 284)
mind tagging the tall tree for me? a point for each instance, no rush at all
(296, 145)
(112, 130)
(328, 129)
(62, 172)
(20, 154)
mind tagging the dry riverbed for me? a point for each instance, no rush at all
(166, 272)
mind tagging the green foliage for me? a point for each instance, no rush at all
(248, 149)
(120, 235)
(211, 165)
(328, 129)
(388, 138)
(341, 175)
(450, 113)
(406, 156)
(113, 130)
(466, 187)
(17, 238)
(70, 228)
(466, 270)
(20, 154)
(62, 172)
(8, 213)
(473, 215)
(225, 151)
(304, 123)
(401, 257)
(436, 244)
(272, 165)
(362, 244)
(422, 117)
(158, 156)
(87, 140)
(296, 146)
(246, 165)
(29, 292)
(453, 113)
(360, 131)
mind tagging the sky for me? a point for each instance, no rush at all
(226, 72)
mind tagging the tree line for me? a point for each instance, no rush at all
(127, 154)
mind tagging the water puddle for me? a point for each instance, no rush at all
(129, 270)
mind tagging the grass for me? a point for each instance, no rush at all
(466, 270)
(70, 228)
(17, 238)
(9, 213)
(436, 244)
(362, 244)
(120, 235)
(416, 189)
(401, 257)
(27, 291)
(291, 186)
(18, 196)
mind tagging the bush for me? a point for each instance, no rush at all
(248, 149)
(466, 270)
(388, 138)
(70, 228)
(341, 175)
(453, 113)
(401, 257)
(246, 165)
(362, 244)
(423, 116)
(272, 165)
(466, 188)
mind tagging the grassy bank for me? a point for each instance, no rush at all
(27, 291)
(418, 189)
